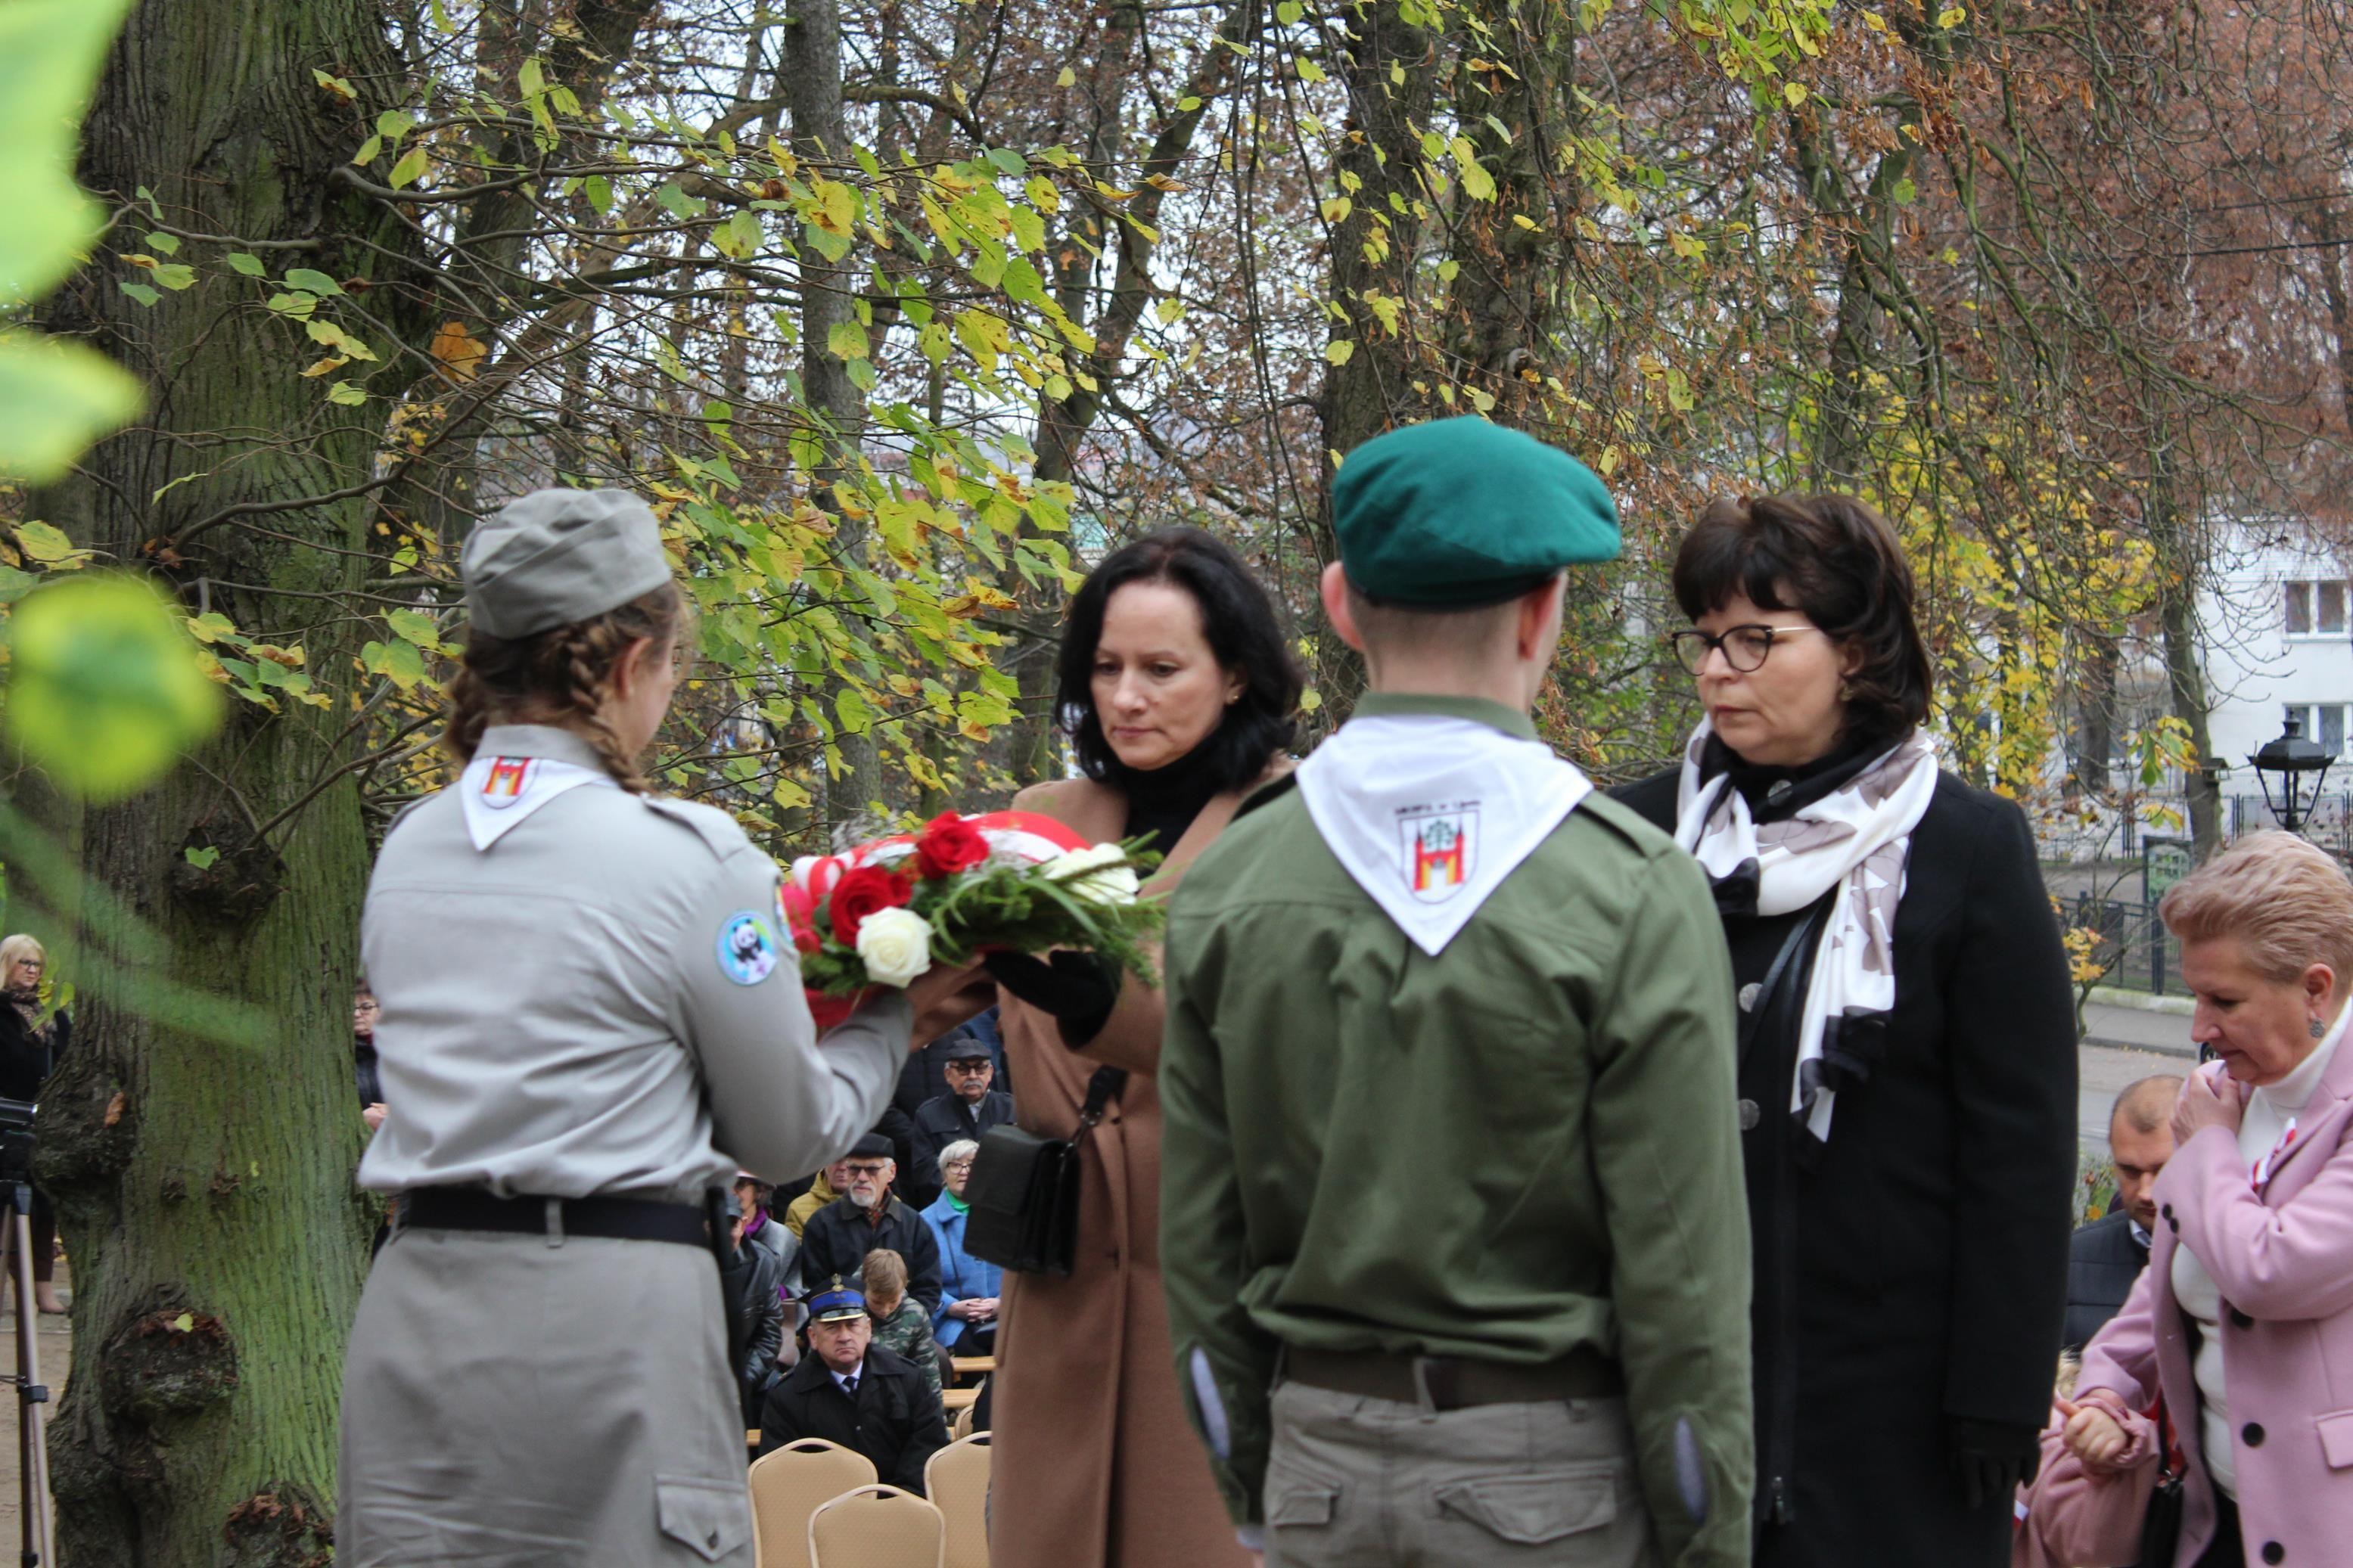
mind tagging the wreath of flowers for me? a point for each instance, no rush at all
(883, 913)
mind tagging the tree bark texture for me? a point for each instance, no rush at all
(205, 1191)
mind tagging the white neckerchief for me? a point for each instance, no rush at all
(2268, 1124)
(499, 793)
(1429, 813)
(1853, 843)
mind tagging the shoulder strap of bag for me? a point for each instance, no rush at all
(1800, 940)
(1102, 1089)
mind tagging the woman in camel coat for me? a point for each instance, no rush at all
(1179, 694)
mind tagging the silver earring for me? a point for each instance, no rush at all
(2316, 1029)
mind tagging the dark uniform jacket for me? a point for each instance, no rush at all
(894, 1419)
(838, 1237)
(1910, 1272)
(946, 1119)
(2103, 1261)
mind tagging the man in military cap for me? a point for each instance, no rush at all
(838, 1237)
(851, 1391)
(1434, 949)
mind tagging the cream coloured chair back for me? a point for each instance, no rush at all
(877, 1527)
(957, 1479)
(786, 1487)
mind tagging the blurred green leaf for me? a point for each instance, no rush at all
(312, 281)
(55, 398)
(104, 690)
(50, 52)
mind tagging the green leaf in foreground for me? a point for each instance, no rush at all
(104, 691)
(55, 398)
(50, 52)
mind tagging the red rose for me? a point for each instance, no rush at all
(949, 845)
(862, 892)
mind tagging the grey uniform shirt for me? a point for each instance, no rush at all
(585, 1006)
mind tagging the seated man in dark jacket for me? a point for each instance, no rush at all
(849, 1391)
(968, 1109)
(761, 1301)
(838, 1237)
(923, 1080)
(2107, 1255)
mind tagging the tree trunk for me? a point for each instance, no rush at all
(2180, 561)
(205, 1191)
(812, 84)
(2094, 732)
(1389, 68)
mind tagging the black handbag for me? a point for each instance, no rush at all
(1024, 1192)
(2161, 1533)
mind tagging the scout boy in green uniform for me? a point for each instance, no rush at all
(1451, 1160)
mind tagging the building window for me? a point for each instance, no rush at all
(2316, 609)
(2323, 723)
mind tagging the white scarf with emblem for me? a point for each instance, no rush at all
(1853, 846)
(499, 793)
(1429, 813)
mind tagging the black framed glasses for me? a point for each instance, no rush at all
(1745, 648)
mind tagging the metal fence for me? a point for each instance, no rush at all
(2129, 942)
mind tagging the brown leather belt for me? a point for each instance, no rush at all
(1452, 1383)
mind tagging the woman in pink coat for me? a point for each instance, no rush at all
(2245, 1317)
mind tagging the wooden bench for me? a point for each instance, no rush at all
(967, 1366)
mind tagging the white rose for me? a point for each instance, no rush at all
(895, 946)
(1098, 874)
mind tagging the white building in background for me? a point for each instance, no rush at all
(2278, 645)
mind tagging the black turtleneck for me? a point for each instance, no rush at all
(1774, 793)
(1163, 802)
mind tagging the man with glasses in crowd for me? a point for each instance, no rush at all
(971, 1106)
(839, 1236)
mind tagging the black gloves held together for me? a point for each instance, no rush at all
(1991, 1458)
(1078, 989)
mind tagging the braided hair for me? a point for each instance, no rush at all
(558, 676)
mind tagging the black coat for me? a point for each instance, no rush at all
(923, 1080)
(24, 1063)
(836, 1239)
(2103, 1261)
(895, 1420)
(1910, 1272)
(943, 1119)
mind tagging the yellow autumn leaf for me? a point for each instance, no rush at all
(459, 350)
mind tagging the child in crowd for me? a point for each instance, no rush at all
(900, 1324)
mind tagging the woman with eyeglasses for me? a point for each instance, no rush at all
(1907, 1047)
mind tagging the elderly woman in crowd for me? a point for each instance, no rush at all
(1178, 693)
(2243, 1319)
(1907, 1047)
(966, 1322)
(32, 1038)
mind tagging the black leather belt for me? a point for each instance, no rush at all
(620, 1219)
(1451, 1383)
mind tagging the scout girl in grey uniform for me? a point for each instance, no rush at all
(588, 995)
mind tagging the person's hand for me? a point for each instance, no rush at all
(2209, 1097)
(372, 1115)
(1077, 989)
(1991, 1458)
(943, 998)
(2095, 1437)
(967, 1312)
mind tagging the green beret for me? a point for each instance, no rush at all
(554, 557)
(1462, 512)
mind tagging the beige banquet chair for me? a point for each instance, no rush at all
(878, 1527)
(788, 1485)
(957, 1479)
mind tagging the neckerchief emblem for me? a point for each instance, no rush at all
(1440, 849)
(509, 778)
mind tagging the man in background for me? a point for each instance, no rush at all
(2107, 1255)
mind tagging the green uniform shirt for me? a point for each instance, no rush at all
(1522, 1146)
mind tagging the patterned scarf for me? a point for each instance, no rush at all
(1852, 845)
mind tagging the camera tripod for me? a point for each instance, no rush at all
(32, 1450)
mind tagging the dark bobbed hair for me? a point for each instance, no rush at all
(1835, 561)
(1237, 617)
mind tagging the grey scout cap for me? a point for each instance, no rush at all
(555, 556)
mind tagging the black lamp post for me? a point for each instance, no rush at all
(2299, 765)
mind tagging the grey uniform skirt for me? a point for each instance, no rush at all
(508, 1402)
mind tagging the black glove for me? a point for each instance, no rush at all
(1991, 1458)
(1078, 989)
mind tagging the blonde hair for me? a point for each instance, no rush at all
(2285, 902)
(885, 1275)
(20, 946)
